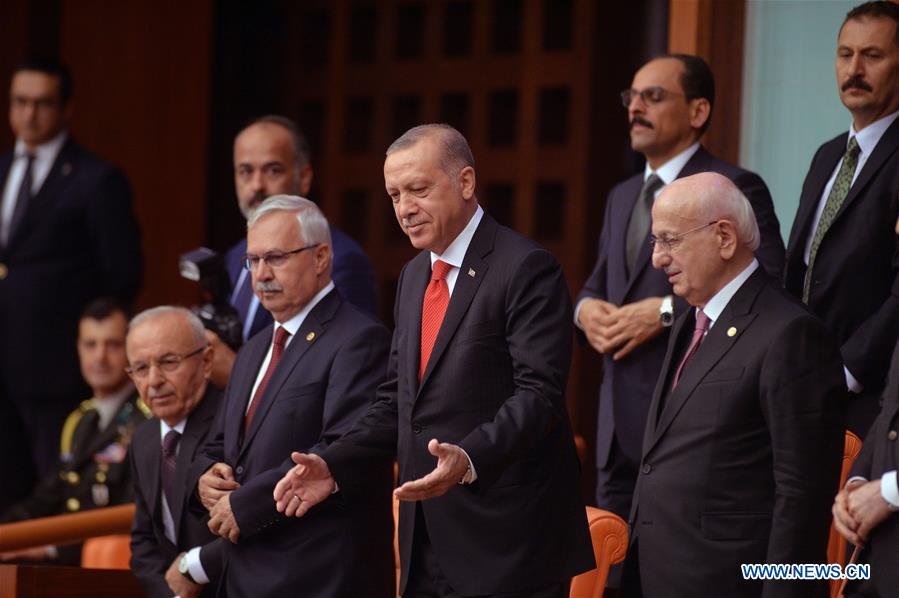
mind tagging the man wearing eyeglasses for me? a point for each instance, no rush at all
(172, 551)
(625, 307)
(297, 386)
(744, 438)
(842, 256)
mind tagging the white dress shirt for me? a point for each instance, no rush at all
(719, 300)
(108, 407)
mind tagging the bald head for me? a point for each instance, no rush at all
(705, 233)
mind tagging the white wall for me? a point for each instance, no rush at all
(790, 103)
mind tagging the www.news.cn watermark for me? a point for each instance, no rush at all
(805, 571)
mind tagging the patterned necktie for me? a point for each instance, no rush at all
(22, 199)
(169, 449)
(278, 345)
(433, 309)
(835, 199)
(641, 221)
(699, 331)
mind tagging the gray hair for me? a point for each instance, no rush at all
(298, 140)
(313, 224)
(196, 326)
(721, 199)
(456, 153)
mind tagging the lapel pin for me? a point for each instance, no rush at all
(310, 336)
(471, 272)
(731, 331)
(66, 169)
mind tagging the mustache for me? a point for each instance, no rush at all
(856, 82)
(639, 120)
(268, 286)
(152, 393)
(407, 222)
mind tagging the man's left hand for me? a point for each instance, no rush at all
(222, 522)
(868, 507)
(180, 585)
(452, 464)
(630, 326)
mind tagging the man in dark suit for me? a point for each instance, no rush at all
(271, 156)
(300, 391)
(476, 379)
(626, 307)
(744, 439)
(66, 224)
(842, 257)
(91, 470)
(172, 551)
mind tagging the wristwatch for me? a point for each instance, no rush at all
(183, 568)
(666, 312)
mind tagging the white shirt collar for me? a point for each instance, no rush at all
(108, 407)
(45, 152)
(869, 137)
(670, 169)
(294, 323)
(455, 253)
(164, 428)
(719, 301)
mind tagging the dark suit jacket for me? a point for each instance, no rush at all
(326, 378)
(880, 454)
(495, 386)
(627, 384)
(743, 461)
(151, 552)
(856, 279)
(350, 270)
(78, 240)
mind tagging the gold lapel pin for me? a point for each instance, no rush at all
(731, 331)
(471, 272)
(310, 336)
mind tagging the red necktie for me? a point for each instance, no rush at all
(278, 345)
(702, 326)
(433, 309)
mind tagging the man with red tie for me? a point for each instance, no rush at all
(474, 406)
(743, 442)
(298, 385)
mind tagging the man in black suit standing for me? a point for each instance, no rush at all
(744, 439)
(476, 381)
(298, 385)
(626, 307)
(842, 257)
(172, 551)
(66, 225)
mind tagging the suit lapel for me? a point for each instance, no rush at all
(735, 319)
(685, 322)
(194, 431)
(417, 277)
(151, 467)
(310, 331)
(885, 148)
(243, 381)
(809, 200)
(471, 273)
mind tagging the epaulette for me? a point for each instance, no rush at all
(143, 408)
(68, 429)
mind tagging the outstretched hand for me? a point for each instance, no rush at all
(308, 483)
(452, 465)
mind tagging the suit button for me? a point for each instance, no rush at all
(416, 428)
(647, 468)
(893, 435)
(239, 470)
(73, 504)
(3, 270)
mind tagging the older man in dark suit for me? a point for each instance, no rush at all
(476, 382)
(842, 257)
(745, 432)
(67, 237)
(172, 551)
(626, 308)
(298, 386)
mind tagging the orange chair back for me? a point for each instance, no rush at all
(609, 535)
(836, 545)
(106, 552)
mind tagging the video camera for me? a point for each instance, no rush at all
(216, 312)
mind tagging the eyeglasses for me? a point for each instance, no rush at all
(650, 95)
(669, 244)
(167, 363)
(275, 259)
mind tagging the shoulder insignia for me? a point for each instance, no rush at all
(143, 408)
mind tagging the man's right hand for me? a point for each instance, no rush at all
(846, 524)
(589, 317)
(180, 585)
(222, 360)
(308, 483)
(217, 482)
